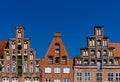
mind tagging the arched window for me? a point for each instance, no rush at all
(98, 54)
(105, 53)
(98, 43)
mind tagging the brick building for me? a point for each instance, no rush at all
(56, 66)
(18, 61)
(99, 61)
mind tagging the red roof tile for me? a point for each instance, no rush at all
(2, 46)
(117, 48)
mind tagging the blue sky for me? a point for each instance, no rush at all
(75, 19)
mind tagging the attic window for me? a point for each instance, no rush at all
(57, 51)
(57, 44)
(50, 58)
(64, 58)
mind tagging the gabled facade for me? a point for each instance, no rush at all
(20, 63)
(100, 61)
(56, 66)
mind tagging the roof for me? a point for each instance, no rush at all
(2, 46)
(117, 48)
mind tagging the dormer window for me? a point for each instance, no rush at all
(19, 34)
(57, 51)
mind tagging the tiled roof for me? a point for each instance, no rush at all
(2, 46)
(117, 48)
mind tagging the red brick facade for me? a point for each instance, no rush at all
(58, 62)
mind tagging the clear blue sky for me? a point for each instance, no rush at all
(75, 19)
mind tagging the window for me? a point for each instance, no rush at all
(78, 61)
(105, 53)
(47, 70)
(36, 79)
(85, 61)
(13, 52)
(57, 70)
(50, 58)
(25, 45)
(99, 32)
(110, 77)
(92, 52)
(117, 77)
(99, 77)
(25, 68)
(31, 56)
(104, 42)
(66, 70)
(14, 79)
(105, 61)
(79, 76)
(99, 65)
(64, 58)
(92, 61)
(111, 61)
(87, 76)
(14, 69)
(19, 47)
(98, 54)
(56, 80)
(27, 79)
(92, 42)
(48, 80)
(19, 34)
(8, 69)
(57, 60)
(111, 53)
(5, 79)
(0, 67)
(98, 43)
(25, 58)
(8, 57)
(31, 69)
(66, 80)
(85, 53)
(25, 52)
(57, 51)
(13, 44)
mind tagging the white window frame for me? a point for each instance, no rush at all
(48, 69)
(56, 80)
(66, 70)
(117, 76)
(87, 76)
(56, 70)
(99, 76)
(78, 76)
